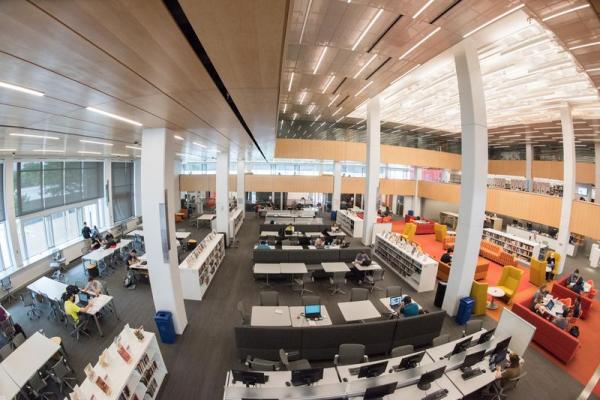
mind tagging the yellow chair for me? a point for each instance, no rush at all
(440, 232)
(537, 272)
(479, 294)
(409, 231)
(509, 281)
(556, 256)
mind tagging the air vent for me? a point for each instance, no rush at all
(450, 7)
(384, 33)
(378, 68)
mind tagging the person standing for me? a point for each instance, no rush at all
(86, 231)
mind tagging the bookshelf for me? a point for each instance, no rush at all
(350, 223)
(236, 218)
(522, 249)
(200, 266)
(415, 267)
(139, 378)
(449, 218)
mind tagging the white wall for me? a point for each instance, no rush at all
(432, 208)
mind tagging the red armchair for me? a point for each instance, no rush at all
(561, 291)
(424, 226)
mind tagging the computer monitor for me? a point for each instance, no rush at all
(428, 377)
(395, 301)
(248, 377)
(461, 346)
(498, 355)
(550, 305)
(411, 361)
(377, 392)
(306, 376)
(312, 311)
(486, 336)
(372, 370)
(83, 298)
(472, 359)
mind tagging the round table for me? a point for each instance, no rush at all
(494, 292)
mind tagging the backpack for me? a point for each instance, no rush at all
(366, 262)
(129, 281)
(574, 331)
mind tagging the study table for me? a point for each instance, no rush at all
(100, 254)
(358, 310)
(331, 267)
(8, 387)
(299, 320)
(386, 303)
(179, 235)
(270, 316)
(205, 217)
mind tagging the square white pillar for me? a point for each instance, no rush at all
(159, 224)
(10, 212)
(568, 135)
(222, 192)
(417, 199)
(597, 170)
(108, 194)
(371, 194)
(337, 186)
(528, 166)
(240, 187)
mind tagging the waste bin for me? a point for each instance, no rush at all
(439, 294)
(411, 213)
(334, 215)
(164, 323)
(465, 308)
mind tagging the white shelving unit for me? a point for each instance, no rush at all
(543, 240)
(138, 379)
(523, 249)
(350, 223)
(416, 268)
(200, 266)
(236, 219)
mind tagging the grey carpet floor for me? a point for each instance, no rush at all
(200, 358)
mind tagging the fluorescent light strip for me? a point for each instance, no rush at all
(362, 35)
(365, 66)
(129, 121)
(333, 101)
(119, 155)
(20, 89)
(592, 70)
(295, 116)
(320, 59)
(94, 142)
(302, 97)
(337, 111)
(133, 147)
(48, 151)
(581, 46)
(512, 10)
(199, 144)
(29, 135)
(422, 9)
(291, 80)
(331, 78)
(310, 108)
(436, 30)
(363, 89)
(404, 74)
(97, 153)
(8, 149)
(177, 137)
(284, 108)
(548, 18)
(305, 20)
(339, 119)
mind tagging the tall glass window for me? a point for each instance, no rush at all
(122, 190)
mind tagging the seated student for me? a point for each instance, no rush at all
(539, 308)
(539, 295)
(578, 287)
(447, 257)
(409, 308)
(73, 309)
(335, 227)
(96, 244)
(319, 243)
(93, 287)
(550, 268)
(361, 259)
(510, 370)
(132, 258)
(263, 244)
(562, 320)
(576, 307)
(572, 279)
(289, 229)
(108, 240)
(95, 232)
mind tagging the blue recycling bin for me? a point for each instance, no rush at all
(411, 213)
(334, 215)
(465, 308)
(166, 329)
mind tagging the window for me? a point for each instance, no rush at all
(5, 249)
(28, 187)
(59, 228)
(122, 189)
(34, 239)
(2, 217)
(53, 179)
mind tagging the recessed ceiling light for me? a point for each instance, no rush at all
(302, 96)
(423, 9)
(291, 80)
(436, 30)
(133, 147)
(569, 10)
(94, 142)
(305, 20)
(129, 121)
(364, 66)
(329, 80)
(178, 137)
(337, 111)
(333, 100)
(310, 109)
(362, 35)
(29, 135)
(363, 89)
(592, 70)
(512, 10)
(294, 116)
(284, 107)
(48, 151)
(320, 59)
(119, 155)
(199, 144)
(20, 89)
(581, 46)
(8, 149)
(89, 152)
(339, 119)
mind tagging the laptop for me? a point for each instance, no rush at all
(312, 311)
(550, 305)
(395, 301)
(84, 299)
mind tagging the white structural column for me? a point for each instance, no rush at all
(108, 194)
(417, 199)
(241, 180)
(337, 186)
(474, 165)
(222, 192)
(177, 168)
(159, 224)
(371, 193)
(137, 183)
(597, 170)
(568, 136)
(528, 166)
(10, 212)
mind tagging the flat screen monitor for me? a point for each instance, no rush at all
(428, 377)
(411, 361)
(377, 392)
(248, 377)
(395, 301)
(486, 336)
(372, 370)
(472, 359)
(312, 311)
(502, 346)
(461, 346)
(306, 376)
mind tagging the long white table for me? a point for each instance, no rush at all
(29, 357)
(270, 316)
(358, 310)
(8, 387)
(386, 303)
(179, 235)
(299, 320)
(102, 253)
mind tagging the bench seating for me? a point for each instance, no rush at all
(561, 291)
(481, 270)
(308, 256)
(298, 227)
(495, 253)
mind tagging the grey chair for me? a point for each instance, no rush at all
(472, 326)
(393, 291)
(62, 374)
(7, 328)
(440, 340)
(259, 364)
(36, 386)
(499, 388)
(359, 294)
(6, 285)
(286, 242)
(29, 302)
(302, 281)
(57, 266)
(5, 351)
(372, 279)
(269, 298)
(311, 299)
(78, 327)
(18, 340)
(350, 353)
(243, 313)
(337, 280)
(284, 357)
(400, 351)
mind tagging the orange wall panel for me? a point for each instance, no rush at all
(530, 206)
(397, 186)
(352, 184)
(506, 167)
(448, 192)
(584, 219)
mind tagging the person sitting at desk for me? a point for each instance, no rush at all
(576, 308)
(86, 232)
(447, 257)
(539, 307)
(551, 262)
(108, 240)
(93, 287)
(335, 227)
(539, 295)
(132, 258)
(95, 232)
(319, 243)
(289, 229)
(572, 279)
(579, 286)
(562, 320)
(361, 259)
(96, 244)
(409, 308)
(512, 370)
(73, 309)
(263, 245)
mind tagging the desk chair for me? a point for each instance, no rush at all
(400, 351)
(440, 340)
(350, 353)
(18, 340)
(286, 242)
(62, 374)
(243, 313)
(29, 302)
(5, 351)
(393, 291)
(57, 265)
(499, 388)
(338, 279)
(6, 285)
(359, 294)
(311, 299)
(269, 298)
(376, 276)
(258, 364)
(302, 281)
(36, 386)
(78, 327)
(292, 365)
(7, 328)
(472, 326)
